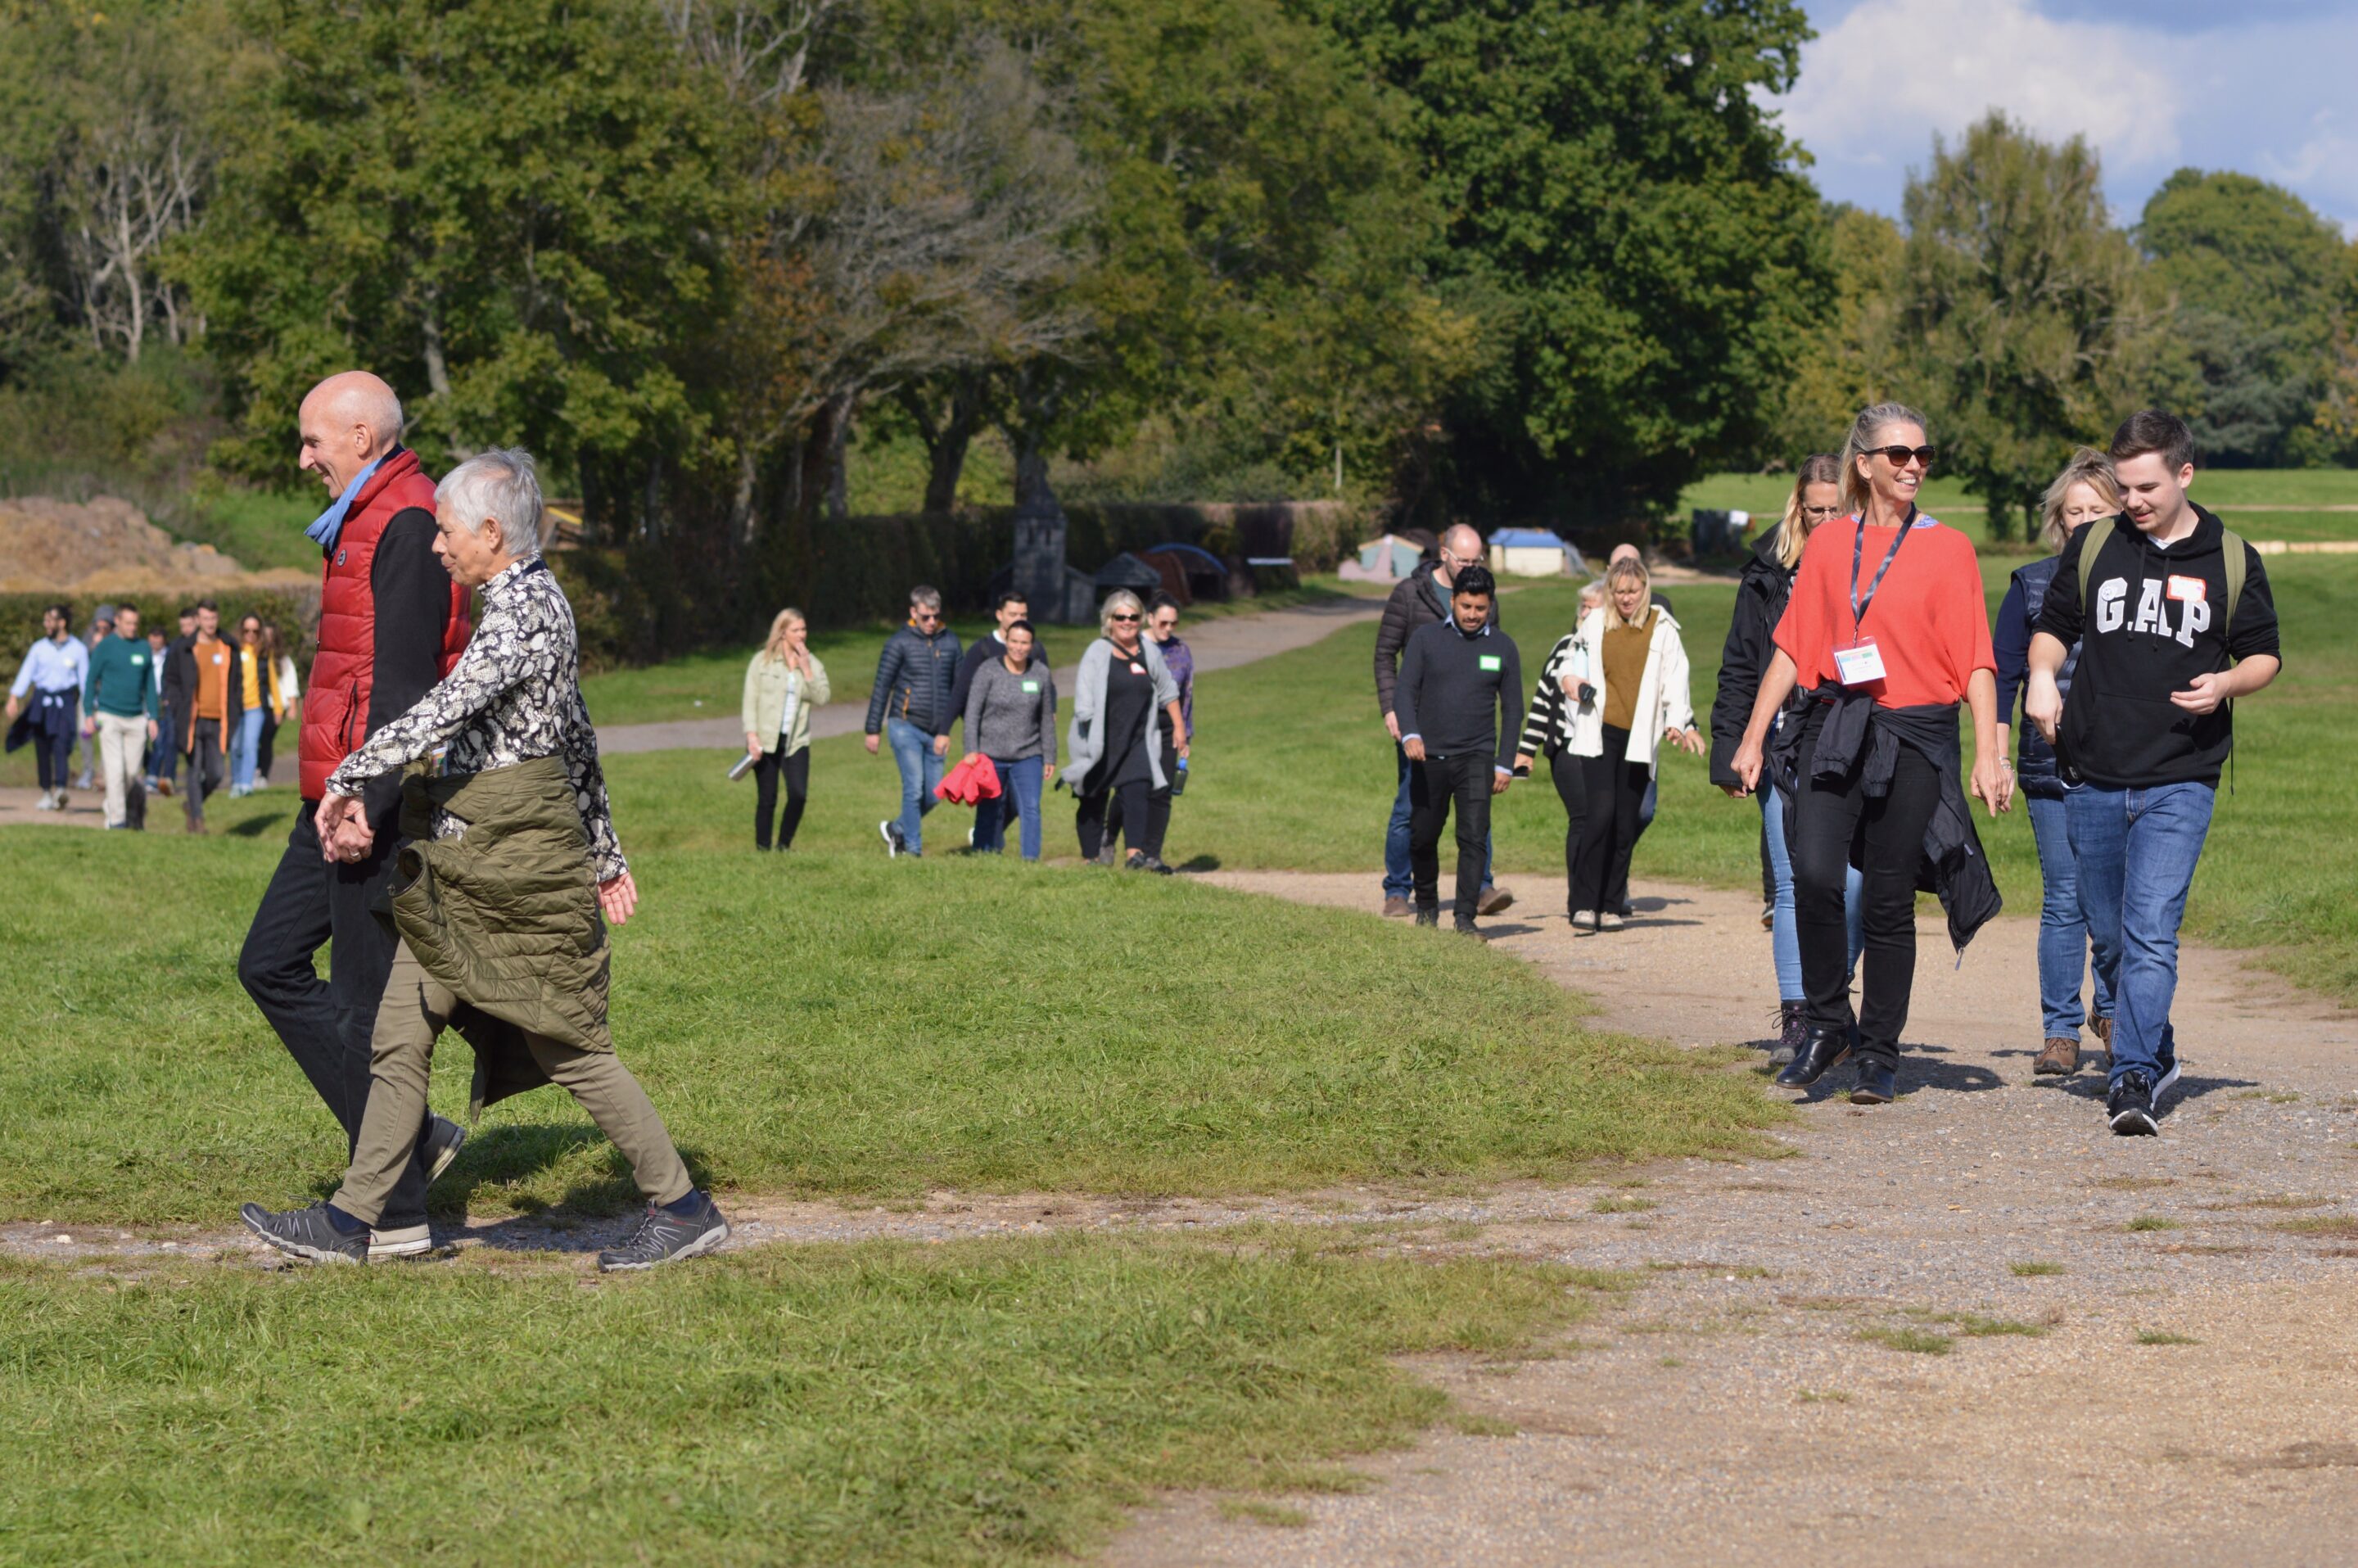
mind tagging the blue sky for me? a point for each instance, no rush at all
(2267, 87)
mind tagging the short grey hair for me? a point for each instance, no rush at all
(925, 597)
(499, 483)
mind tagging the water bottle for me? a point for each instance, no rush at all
(1179, 780)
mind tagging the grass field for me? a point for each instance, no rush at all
(976, 1402)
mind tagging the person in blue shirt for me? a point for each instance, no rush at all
(45, 702)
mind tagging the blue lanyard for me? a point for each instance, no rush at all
(1858, 555)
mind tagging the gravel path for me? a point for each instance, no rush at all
(1219, 644)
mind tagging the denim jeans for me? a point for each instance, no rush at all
(2062, 929)
(1785, 938)
(1399, 882)
(1019, 790)
(244, 748)
(921, 769)
(2136, 850)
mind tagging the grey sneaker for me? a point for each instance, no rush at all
(664, 1237)
(401, 1241)
(306, 1233)
(444, 1138)
(891, 833)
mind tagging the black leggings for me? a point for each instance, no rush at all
(1615, 787)
(1573, 790)
(1432, 785)
(1129, 802)
(1158, 808)
(765, 795)
(1827, 818)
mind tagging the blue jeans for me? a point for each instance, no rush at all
(2062, 929)
(921, 769)
(2136, 849)
(1399, 882)
(1784, 937)
(245, 748)
(1019, 787)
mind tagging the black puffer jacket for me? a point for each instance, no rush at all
(913, 677)
(2017, 618)
(1760, 596)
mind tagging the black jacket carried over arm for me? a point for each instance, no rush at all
(1760, 596)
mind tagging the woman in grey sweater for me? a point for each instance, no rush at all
(1011, 718)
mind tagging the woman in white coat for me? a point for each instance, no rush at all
(1611, 693)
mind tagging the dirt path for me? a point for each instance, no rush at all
(1218, 644)
(1732, 1412)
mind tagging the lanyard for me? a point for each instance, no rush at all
(1857, 554)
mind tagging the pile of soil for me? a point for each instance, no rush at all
(108, 545)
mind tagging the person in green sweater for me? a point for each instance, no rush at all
(118, 706)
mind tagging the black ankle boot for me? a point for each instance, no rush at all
(1792, 1028)
(1428, 915)
(1878, 1083)
(1823, 1050)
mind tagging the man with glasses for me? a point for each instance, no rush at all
(1419, 600)
(910, 705)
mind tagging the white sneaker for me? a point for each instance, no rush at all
(409, 1242)
(1607, 920)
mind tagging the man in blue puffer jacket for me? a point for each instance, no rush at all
(911, 701)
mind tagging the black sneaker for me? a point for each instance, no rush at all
(1428, 915)
(664, 1237)
(2131, 1106)
(444, 1138)
(2166, 1082)
(891, 834)
(308, 1234)
(1465, 927)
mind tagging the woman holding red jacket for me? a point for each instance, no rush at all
(1888, 631)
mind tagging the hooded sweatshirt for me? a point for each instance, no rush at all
(2158, 619)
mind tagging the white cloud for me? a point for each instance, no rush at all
(1880, 83)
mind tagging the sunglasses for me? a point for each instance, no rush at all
(1898, 456)
(1821, 513)
(1121, 617)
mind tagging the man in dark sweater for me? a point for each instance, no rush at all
(1418, 600)
(2174, 621)
(1460, 688)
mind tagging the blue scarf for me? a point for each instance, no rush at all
(331, 523)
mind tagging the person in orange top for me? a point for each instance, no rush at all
(1887, 625)
(196, 684)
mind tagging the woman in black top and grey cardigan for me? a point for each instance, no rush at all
(1011, 718)
(1124, 703)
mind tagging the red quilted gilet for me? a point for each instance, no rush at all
(336, 703)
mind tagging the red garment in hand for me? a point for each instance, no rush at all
(972, 780)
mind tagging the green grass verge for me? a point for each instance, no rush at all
(831, 1021)
(974, 1402)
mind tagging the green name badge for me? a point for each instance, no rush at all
(1031, 686)
(1490, 661)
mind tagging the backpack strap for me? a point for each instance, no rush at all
(2089, 549)
(2232, 544)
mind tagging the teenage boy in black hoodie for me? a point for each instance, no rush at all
(1455, 675)
(2168, 640)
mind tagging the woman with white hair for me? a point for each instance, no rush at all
(1124, 705)
(783, 683)
(1612, 692)
(2084, 491)
(498, 893)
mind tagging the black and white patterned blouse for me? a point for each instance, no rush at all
(514, 695)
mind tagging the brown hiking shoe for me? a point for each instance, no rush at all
(1493, 901)
(1398, 909)
(2102, 1028)
(2061, 1055)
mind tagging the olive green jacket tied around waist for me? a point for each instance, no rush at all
(506, 915)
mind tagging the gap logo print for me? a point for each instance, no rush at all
(2178, 607)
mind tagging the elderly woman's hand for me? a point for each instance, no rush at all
(617, 897)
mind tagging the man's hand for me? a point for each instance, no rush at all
(2203, 693)
(871, 744)
(1391, 722)
(753, 744)
(1499, 780)
(1686, 738)
(617, 897)
(16, 705)
(1415, 747)
(2042, 703)
(89, 726)
(344, 832)
(942, 746)
(1991, 786)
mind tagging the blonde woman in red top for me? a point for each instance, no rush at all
(1888, 629)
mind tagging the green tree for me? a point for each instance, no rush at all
(2253, 271)
(517, 210)
(1623, 213)
(2025, 309)
(1836, 364)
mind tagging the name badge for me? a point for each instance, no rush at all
(2188, 589)
(1490, 661)
(1031, 686)
(1136, 669)
(1859, 664)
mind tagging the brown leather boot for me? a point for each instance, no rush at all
(2060, 1057)
(2102, 1028)
(1398, 909)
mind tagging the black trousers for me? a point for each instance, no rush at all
(1101, 816)
(206, 766)
(1433, 784)
(1571, 789)
(325, 1024)
(266, 746)
(1889, 832)
(1616, 788)
(796, 770)
(1158, 808)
